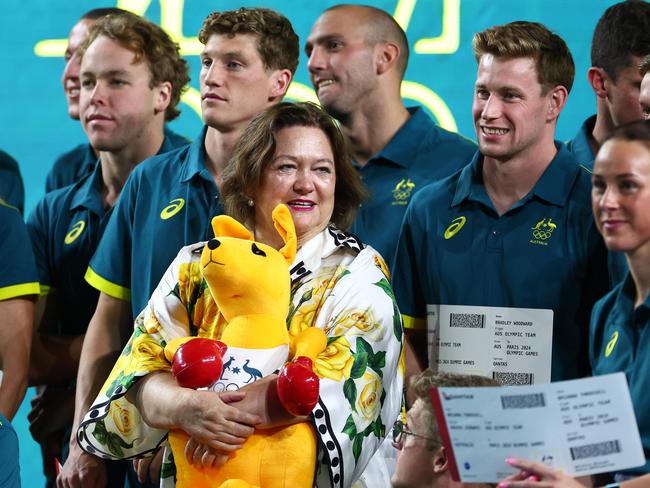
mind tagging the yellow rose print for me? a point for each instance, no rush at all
(146, 355)
(122, 418)
(362, 320)
(381, 264)
(303, 318)
(335, 362)
(368, 404)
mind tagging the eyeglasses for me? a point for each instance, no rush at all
(399, 431)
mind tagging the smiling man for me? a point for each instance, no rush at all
(247, 63)
(357, 59)
(131, 79)
(514, 228)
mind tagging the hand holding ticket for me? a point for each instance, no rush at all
(581, 427)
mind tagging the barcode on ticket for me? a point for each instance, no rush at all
(467, 320)
(594, 450)
(506, 379)
(530, 400)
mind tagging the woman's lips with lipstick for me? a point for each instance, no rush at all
(301, 205)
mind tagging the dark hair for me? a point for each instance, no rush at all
(622, 32)
(522, 39)
(151, 44)
(251, 156)
(382, 27)
(644, 65)
(98, 13)
(277, 43)
(420, 386)
(637, 131)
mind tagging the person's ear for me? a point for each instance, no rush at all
(556, 100)
(598, 80)
(440, 461)
(279, 84)
(163, 97)
(387, 56)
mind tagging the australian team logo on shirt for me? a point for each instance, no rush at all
(172, 209)
(455, 227)
(402, 191)
(74, 232)
(542, 232)
(610, 345)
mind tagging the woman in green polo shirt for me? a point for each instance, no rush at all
(619, 337)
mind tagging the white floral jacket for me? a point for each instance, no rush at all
(339, 285)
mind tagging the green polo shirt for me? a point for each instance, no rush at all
(65, 229)
(12, 190)
(167, 203)
(455, 249)
(18, 275)
(619, 340)
(73, 165)
(418, 154)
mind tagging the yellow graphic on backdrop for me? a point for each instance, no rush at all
(171, 19)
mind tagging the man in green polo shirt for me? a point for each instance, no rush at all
(247, 64)
(514, 228)
(18, 289)
(357, 59)
(132, 77)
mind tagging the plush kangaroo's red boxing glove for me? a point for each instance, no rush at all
(298, 386)
(198, 363)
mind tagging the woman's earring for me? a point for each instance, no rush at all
(251, 202)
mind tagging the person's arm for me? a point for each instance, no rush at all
(537, 475)
(204, 415)
(107, 332)
(16, 319)
(54, 359)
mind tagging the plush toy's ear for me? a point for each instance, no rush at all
(284, 225)
(225, 226)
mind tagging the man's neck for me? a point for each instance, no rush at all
(371, 128)
(218, 148)
(508, 181)
(117, 165)
(603, 126)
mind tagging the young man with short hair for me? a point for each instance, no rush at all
(621, 38)
(131, 79)
(73, 165)
(357, 59)
(247, 64)
(422, 461)
(513, 228)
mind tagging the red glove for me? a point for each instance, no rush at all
(198, 363)
(298, 386)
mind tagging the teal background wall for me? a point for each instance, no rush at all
(35, 127)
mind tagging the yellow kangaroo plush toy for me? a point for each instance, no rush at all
(250, 284)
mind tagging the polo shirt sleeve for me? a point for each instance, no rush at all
(110, 267)
(41, 235)
(18, 276)
(408, 290)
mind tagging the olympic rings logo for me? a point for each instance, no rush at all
(542, 234)
(75, 232)
(172, 209)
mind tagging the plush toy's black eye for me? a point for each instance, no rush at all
(257, 250)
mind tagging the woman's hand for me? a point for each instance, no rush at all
(536, 475)
(215, 420)
(202, 456)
